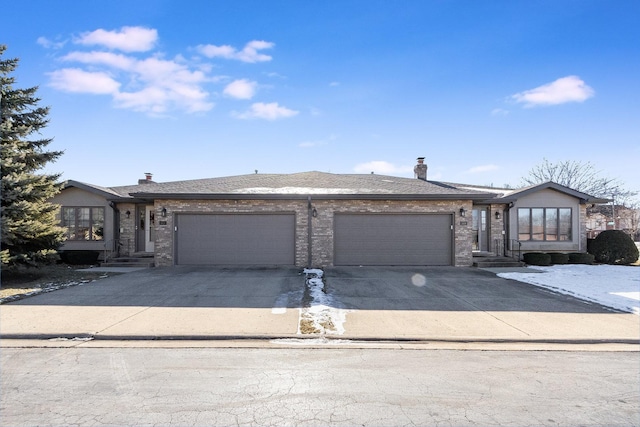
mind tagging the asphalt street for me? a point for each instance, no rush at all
(317, 387)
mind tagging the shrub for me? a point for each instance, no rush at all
(580, 258)
(79, 257)
(537, 258)
(559, 258)
(614, 247)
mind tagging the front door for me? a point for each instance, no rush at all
(480, 230)
(145, 228)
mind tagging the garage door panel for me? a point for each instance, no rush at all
(392, 239)
(235, 239)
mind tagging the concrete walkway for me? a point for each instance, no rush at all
(439, 307)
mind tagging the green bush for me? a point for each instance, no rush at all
(559, 258)
(614, 247)
(537, 258)
(580, 258)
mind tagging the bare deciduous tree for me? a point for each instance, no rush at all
(580, 176)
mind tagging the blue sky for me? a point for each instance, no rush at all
(485, 90)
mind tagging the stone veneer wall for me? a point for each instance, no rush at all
(322, 225)
(127, 228)
(582, 223)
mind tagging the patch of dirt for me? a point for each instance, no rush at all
(46, 278)
(307, 326)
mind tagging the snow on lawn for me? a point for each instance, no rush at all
(614, 286)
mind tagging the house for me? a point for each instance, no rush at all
(613, 217)
(321, 219)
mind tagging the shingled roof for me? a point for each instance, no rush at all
(301, 185)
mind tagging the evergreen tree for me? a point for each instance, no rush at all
(30, 230)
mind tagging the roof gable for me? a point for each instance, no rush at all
(107, 193)
(583, 197)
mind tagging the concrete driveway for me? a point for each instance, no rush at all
(468, 304)
(403, 304)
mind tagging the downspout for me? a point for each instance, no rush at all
(309, 231)
(116, 231)
(507, 225)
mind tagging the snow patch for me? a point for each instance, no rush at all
(615, 286)
(321, 314)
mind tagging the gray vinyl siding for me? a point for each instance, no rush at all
(78, 198)
(549, 198)
(393, 239)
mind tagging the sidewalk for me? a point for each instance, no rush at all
(197, 307)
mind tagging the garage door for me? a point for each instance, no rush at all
(392, 239)
(237, 239)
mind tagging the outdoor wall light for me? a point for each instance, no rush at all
(163, 212)
(463, 212)
(498, 215)
(128, 213)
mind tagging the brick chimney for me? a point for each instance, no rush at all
(147, 179)
(420, 170)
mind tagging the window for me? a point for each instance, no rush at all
(83, 223)
(548, 224)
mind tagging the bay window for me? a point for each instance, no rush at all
(544, 224)
(83, 223)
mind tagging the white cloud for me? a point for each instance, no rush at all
(156, 100)
(315, 111)
(333, 84)
(150, 99)
(250, 52)
(77, 80)
(213, 51)
(241, 89)
(166, 84)
(381, 167)
(271, 111)
(275, 75)
(150, 85)
(499, 112)
(109, 59)
(127, 39)
(561, 91)
(482, 168)
(50, 44)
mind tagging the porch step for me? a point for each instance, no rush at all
(128, 264)
(140, 255)
(488, 262)
(143, 260)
